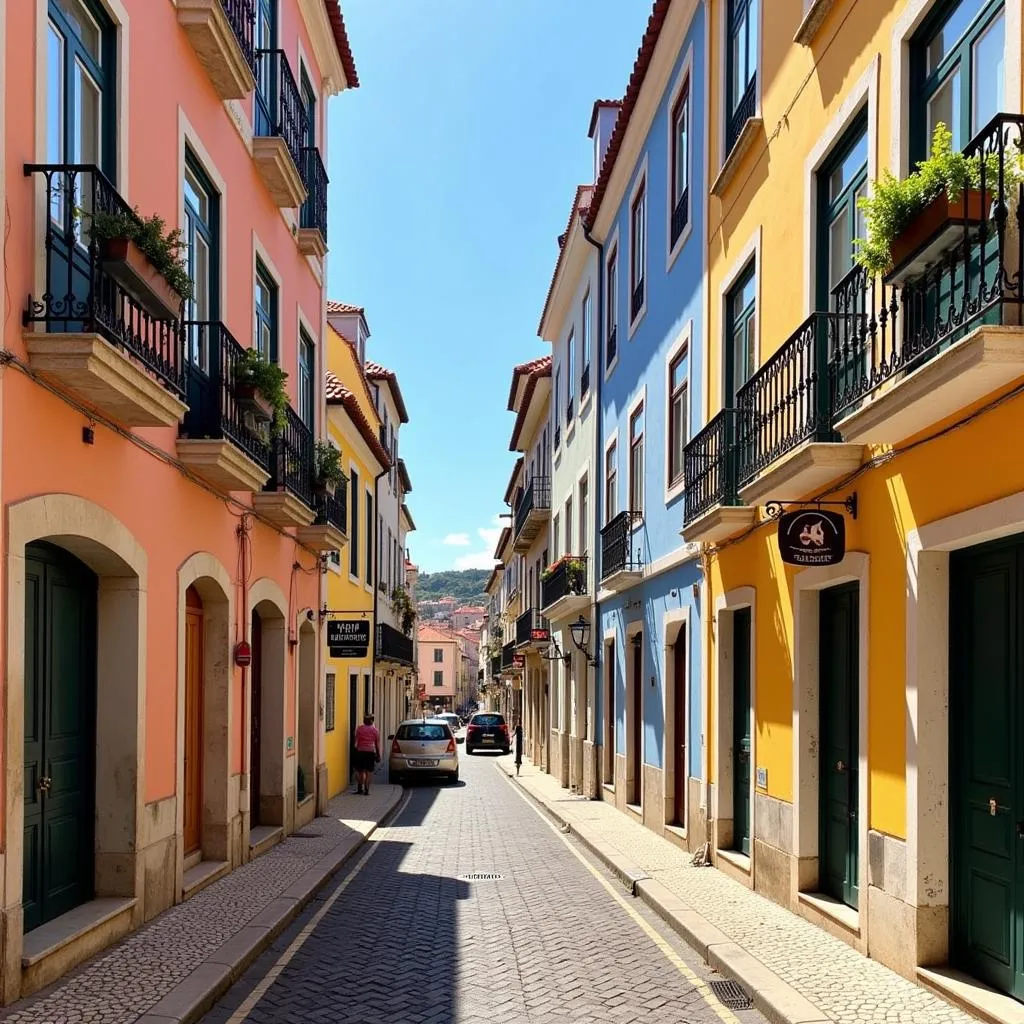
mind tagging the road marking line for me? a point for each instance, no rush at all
(670, 954)
(299, 941)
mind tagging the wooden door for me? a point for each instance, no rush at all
(255, 738)
(679, 766)
(609, 716)
(60, 733)
(838, 619)
(741, 730)
(193, 809)
(353, 720)
(638, 716)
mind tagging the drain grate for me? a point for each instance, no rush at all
(730, 995)
(480, 876)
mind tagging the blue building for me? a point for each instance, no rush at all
(647, 213)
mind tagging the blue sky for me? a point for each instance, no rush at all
(452, 169)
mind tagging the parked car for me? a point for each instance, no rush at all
(487, 730)
(423, 747)
(454, 722)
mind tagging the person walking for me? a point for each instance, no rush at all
(519, 745)
(367, 753)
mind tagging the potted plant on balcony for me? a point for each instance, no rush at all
(259, 388)
(402, 605)
(327, 468)
(912, 221)
(144, 258)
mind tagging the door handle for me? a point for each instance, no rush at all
(840, 766)
(44, 784)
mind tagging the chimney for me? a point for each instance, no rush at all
(602, 122)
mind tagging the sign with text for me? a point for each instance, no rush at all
(540, 635)
(519, 661)
(811, 536)
(348, 638)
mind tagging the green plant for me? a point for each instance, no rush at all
(164, 249)
(402, 605)
(267, 378)
(327, 462)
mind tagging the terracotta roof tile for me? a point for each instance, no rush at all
(377, 372)
(341, 42)
(580, 205)
(598, 105)
(532, 380)
(503, 539)
(344, 307)
(338, 394)
(512, 479)
(539, 365)
(408, 515)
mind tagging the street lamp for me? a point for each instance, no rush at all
(580, 633)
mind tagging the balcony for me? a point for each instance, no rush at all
(509, 658)
(287, 497)
(532, 513)
(789, 448)
(220, 440)
(532, 630)
(563, 589)
(393, 645)
(711, 510)
(221, 33)
(329, 530)
(620, 568)
(312, 237)
(495, 666)
(943, 330)
(279, 130)
(104, 329)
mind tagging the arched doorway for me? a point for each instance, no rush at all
(193, 758)
(305, 771)
(61, 596)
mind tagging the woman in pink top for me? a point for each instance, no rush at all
(367, 753)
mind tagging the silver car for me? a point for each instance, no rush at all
(425, 747)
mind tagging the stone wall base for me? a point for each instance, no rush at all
(591, 779)
(653, 798)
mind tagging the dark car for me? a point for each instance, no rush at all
(487, 731)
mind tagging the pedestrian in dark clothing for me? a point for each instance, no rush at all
(519, 745)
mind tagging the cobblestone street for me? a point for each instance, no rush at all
(410, 939)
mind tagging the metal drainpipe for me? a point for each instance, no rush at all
(371, 545)
(595, 633)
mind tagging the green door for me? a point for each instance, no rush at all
(986, 806)
(60, 733)
(741, 730)
(838, 691)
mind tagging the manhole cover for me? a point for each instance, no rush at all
(306, 835)
(731, 995)
(480, 876)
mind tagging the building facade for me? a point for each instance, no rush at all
(163, 530)
(440, 667)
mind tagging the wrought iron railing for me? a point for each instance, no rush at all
(495, 666)
(213, 410)
(314, 177)
(332, 509)
(79, 294)
(786, 402)
(279, 109)
(508, 653)
(680, 215)
(636, 301)
(616, 552)
(709, 466)
(393, 644)
(291, 459)
(742, 113)
(532, 627)
(612, 346)
(241, 15)
(536, 496)
(569, 577)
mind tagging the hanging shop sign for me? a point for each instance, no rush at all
(348, 638)
(519, 661)
(812, 536)
(540, 635)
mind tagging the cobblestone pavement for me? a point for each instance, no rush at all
(847, 987)
(118, 986)
(411, 941)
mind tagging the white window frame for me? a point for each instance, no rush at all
(638, 401)
(723, 70)
(639, 184)
(613, 441)
(684, 79)
(680, 345)
(611, 248)
(735, 272)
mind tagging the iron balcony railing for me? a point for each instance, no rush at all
(314, 177)
(80, 295)
(612, 346)
(279, 109)
(508, 653)
(291, 459)
(332, 509)
(532, 627)
(213, 411)
(616, 554)
(567, 578)
(241, 15)
(786, 402)
(742, 113)
(536, 496)
(680, 215)
(393, 645)
(709, 466)
(636, 301)
(495, 666)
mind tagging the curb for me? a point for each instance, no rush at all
(776, 1000)
(190, 999)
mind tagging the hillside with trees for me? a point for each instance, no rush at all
(465, 585)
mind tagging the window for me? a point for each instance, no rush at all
(957, 72)
(306, 372)
(741, 68)
(199, 234)
(611, 492)
(612, 304)
(741, 326)
(439, 677)
(637, 251)
(265, 38)
(266, 314)
(555, 407)
(330, 703)
(554, 535)
(391, 564)
(438, 654)
(308, 107)
(570, 377)
(636, 460)
(568, 526)
(585, 328)
(678, 414)
(353, 539)
(584, 533)
(680, 170)
(369, 538)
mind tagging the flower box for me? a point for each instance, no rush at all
(251, 399)
(125, 262)
(939, 227)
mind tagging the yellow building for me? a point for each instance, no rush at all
(864, 739)
(353, 427)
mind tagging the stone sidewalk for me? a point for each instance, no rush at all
(796, 973)
(172, 969)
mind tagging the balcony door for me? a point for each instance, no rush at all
(266, 84)
(199, 231)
